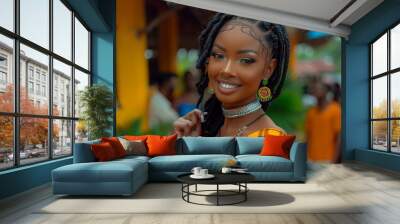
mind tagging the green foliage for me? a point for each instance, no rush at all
(134, 129)
(96, 102)
(330, 51)
(287, 111)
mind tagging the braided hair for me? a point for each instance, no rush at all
(274, 36)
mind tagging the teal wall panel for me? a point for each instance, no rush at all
(356, 99)
(24, 178)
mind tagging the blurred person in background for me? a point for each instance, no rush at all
(188, 100)
(161, 111)
(336, 92)
(323, 127)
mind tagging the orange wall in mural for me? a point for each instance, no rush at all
(132, 67)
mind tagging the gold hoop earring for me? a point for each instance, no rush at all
(264, 93)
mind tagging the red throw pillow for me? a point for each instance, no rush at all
(103, 151)
(135, 138)
(116, 145)
(161, 145)
(277, 145)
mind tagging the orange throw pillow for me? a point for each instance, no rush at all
(161, 145)
(277, 145)
(116, 145)
(135, 138)
(103, 152)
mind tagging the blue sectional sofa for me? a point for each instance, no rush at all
(125, 176)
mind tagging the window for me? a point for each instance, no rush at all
(62, 75)
(385, 96)
(37, 74)
(30, 72)
(81, 45)
(49, 79)
(3, 61)
(43, 77)
(7, 14)
(34, 21)
(38, 89)
(30, 87)
(7, 71)
(62, 29)
(3, 78)
(43, 90)
(3, 72)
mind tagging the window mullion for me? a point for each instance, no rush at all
(371, 98)
(50, 87)
(73, 82)
(389, 106)
(16, 70)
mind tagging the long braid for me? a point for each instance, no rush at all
(277, 40)
(215, 118)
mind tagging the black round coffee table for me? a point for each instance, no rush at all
(238, 179)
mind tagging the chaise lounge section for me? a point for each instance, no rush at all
(125, 176)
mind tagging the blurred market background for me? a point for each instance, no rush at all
(171, 45)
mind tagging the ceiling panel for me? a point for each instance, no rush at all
(316, 15)
(321, 9)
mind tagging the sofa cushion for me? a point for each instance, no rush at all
(161, 145)
(277, 145)
(249, 145)
(112, 171)
(185, 163)
(130, 158)
(257, 163)
(116, 145)
(206, 145)
(134, 147)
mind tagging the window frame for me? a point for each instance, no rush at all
(16, 115)
(388, 74)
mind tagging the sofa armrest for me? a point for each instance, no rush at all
(298, 155)
(83, 152)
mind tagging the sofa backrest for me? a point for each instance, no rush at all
(249, 145)
(83, 152)
(205, 145)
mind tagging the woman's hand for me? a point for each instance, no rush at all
(189, 125)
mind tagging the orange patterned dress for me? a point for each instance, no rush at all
(263, 132)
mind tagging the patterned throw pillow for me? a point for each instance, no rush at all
(134, 147)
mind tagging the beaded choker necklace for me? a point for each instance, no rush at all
(242, 111)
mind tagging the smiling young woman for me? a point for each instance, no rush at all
(243, 64)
